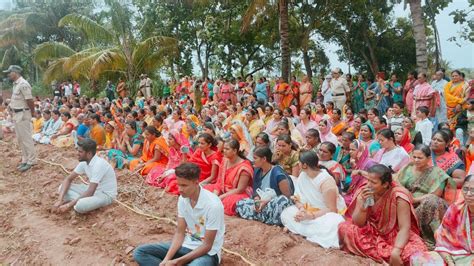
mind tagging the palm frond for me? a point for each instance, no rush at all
(55, 71)
(166, 46)
(51, 50)
(90, 28)
(74, 59)
(83, 65)
(109, 60)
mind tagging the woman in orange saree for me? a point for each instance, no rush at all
(285, 92)
(154, 153)
(234, 181)
(454, 93)
(386, 230)
(306, 91)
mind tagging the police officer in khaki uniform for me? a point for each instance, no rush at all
(22, 107)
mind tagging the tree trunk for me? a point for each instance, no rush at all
(284, 40)
(420, 35)
(307, 65)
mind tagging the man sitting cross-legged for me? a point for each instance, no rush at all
(200, 232)
(102, 189)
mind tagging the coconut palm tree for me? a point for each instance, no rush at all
(259, 7)
(113, 50)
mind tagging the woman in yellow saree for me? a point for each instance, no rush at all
(454, 93)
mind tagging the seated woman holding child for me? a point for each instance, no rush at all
(267, 177)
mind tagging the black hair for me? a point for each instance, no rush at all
(399, 104)
(414, 73)
(424, 149)
(153, 130)
(331, 147)
(456, 71)
(468, 178)
(313, 133)
(424, 110)
(446, 135)
(234, 144)
(208, 139)
(362, 119)
(264, 152)
(56, 112)
(95, 117)
(264, 136)
(67, 114)
(189, 171)
(284, 124)
(158, 118)
(375, 111)
(210, 126)
(133, 125)
(442, 125)
(383, 171)
(337, 111)
(309, 158)
(48, 112)
(382, 120)
(88, 145)
(287, 140)
(349, 135)
(388, 134)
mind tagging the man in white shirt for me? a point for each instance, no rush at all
(441, 111)
(339, 88)
(200, 231)
(101, 190)
(424, 125)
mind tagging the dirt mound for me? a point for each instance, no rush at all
(32, 235)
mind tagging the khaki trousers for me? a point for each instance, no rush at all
(339, 101)
(24, 132)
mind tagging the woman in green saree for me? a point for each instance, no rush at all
(427, 184)
(358, 94)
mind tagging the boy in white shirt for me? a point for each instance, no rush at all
(424, 125)
(200, 231)
(101, 190)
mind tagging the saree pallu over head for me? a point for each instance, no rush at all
(383, 215)
(455, 234)
(405, 142)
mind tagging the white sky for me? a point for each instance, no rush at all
(458, 57)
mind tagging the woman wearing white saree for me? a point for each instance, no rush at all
(315, 214)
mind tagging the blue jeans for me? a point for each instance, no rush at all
(153, 254)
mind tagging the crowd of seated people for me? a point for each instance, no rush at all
(384, 182)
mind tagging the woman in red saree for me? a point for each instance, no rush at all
(234, 182)
(403, 139)
(206, 156)
(154, 153)
(388, 230)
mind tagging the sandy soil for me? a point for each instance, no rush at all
(30, 234)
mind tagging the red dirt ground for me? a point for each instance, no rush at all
(32, 235)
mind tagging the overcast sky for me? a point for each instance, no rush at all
(458, 57)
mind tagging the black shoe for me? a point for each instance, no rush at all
(25, 168)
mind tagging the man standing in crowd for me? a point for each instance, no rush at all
(438, 85)
(101, 190)
(110, 91)
(339, 88)
(200, 231)
(23, 108)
